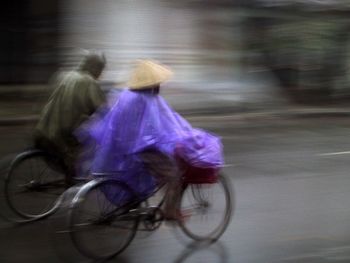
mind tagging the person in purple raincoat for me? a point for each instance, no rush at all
(145, 140)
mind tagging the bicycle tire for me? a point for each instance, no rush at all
(96, 203)
(197, 199)
(32, 186)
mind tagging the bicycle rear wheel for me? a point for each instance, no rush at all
(206, 209)
(32, 185)
(100, 223)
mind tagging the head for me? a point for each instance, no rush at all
(93, 63)
(147, 76)
(154, 89)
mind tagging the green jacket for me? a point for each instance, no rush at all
(76, 96)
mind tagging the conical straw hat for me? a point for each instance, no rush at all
(148, 73)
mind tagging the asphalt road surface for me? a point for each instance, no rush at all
(291, 181)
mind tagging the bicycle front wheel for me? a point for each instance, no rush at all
(32, 185)
(100, 223)
(206, 209)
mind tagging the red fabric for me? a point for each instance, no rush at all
(195, 175)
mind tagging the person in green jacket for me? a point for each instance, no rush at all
(75, 98)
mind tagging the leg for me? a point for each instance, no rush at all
(69, 151)
(166, 170)
(172, 200)
(69, 159)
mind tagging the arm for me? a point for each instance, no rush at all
(95, 97)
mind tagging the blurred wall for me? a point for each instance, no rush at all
(28, 46)
(304, 44)
(200, 41)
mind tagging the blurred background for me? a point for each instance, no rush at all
(271, 77)
(239, 55)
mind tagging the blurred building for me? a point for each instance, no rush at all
(303, 44)
(190, 36)
(28, 46)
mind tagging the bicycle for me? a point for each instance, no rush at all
(111, 212)
(33, 185)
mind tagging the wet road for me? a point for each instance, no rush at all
(292, 190)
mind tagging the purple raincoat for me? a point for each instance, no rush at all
(138, 121)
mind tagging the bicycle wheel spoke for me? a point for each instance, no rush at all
(81, 225)
(31, 187)
(123, 227)
(36, 196)
(41, 173)
(95, 217)
(107, 205)
(90, 213)
(210, 209)
(24, 191)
